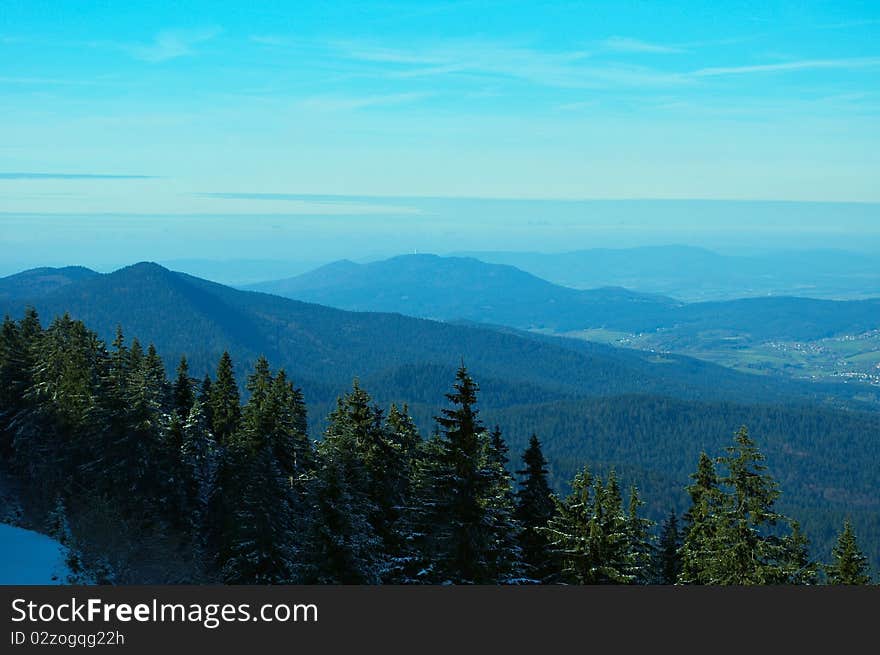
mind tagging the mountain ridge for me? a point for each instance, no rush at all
(463, 288)
(183, 314)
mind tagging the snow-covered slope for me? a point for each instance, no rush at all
(30, 558)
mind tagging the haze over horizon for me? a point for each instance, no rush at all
(345, 130)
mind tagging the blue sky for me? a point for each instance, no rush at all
(218, 108)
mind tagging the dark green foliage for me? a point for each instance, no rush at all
(534, 509)
(798, 567)
(184, 393)
(126, 468)
(224, 401)
(572, 393)
(698, 549)
(667, 556)
(469, 503)
(850, 566)
(342, 545)
(17, 342)
(199, 461)
(260, 543)
(733, 529)
(353, 526)
(593, 539)
(641, 544)
(824, 460)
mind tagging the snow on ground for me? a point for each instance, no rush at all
(30, 558)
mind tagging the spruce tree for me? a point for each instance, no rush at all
(54, 429)
(352, 470)
(204, 397)
(16, 363)
(641, 547)
(404, 562)
(342, 547)
(850, 566)
(569, 532)
(467, 508)
(748, 552)
(798, 567)
(183, 393)
(224, 401)
(667, 557)
(700, 542)
(534, 509)
(611, 535)
(505, 554)
(290, 440)
(260, 544)
(732, 534)
(200, 461)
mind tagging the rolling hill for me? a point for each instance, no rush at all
(325, 348)
(456, 288)
(694, 274)
(448, 288)
(645, 413)
(38, 282)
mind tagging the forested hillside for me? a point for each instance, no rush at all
(434, 287)
(37, 282)
(146, 479)
(694, 274)
(647, 414)
(328, 347)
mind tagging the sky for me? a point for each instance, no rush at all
(318, 129)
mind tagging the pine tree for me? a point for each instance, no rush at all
(466, 510)
(731, 531)
(342, 547)
(200, 461)
(850, 566)
(505, 554)
(58, 527)
(610, 535)
(799, 568)
(135, 354)
(204, 397)
(498, 450)
(404, 562)
(352, 469)
(667, 557)
(16, 364)
(260, 544)
(54, 428)
(146, 425)
(748, 554)
(700, 541)
(183, 394)
(534, 509)
(641, 548)
(569, 532)
(290, 440)
(224, 402)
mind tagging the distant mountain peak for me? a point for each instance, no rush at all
(38, 282)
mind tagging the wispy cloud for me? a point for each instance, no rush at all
(72, 176)
(800, 65)
(625, 44)
(344, 103)
(50, 81)
(577, 106)
(847, 24)
(566, 69)
(171, 44)
(340, 205)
